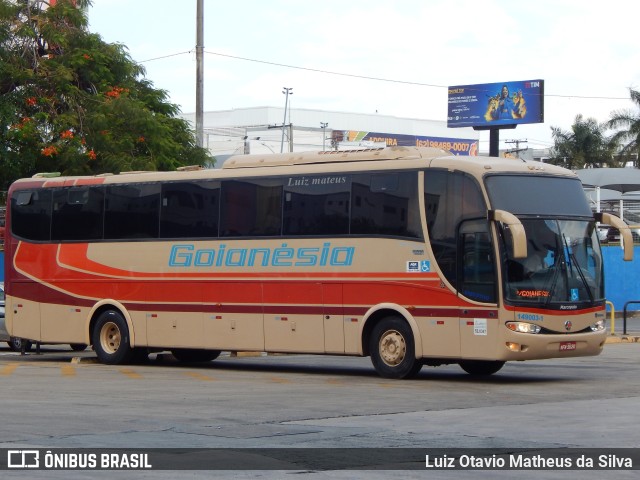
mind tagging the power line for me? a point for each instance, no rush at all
(167, 56)
(364, 77)
(380, 79)
(328, 72)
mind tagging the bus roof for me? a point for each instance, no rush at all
(331, 156)
(249, 165)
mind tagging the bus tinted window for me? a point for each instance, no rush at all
(190, 209)
(386, 204)
(77, 213)
(132, 211)
(31, 214)
(527, 195)
(450, 197)
(374, 204)
(317, 205)
(251, 208)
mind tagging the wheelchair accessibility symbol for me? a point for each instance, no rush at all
(418, 266)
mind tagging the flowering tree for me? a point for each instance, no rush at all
(70, 102)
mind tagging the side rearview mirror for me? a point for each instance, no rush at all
(515, 227)
(625, 232)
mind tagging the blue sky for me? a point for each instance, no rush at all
(580, 49)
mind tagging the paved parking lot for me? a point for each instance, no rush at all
(54, 401)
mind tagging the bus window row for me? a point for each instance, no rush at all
(313, 205)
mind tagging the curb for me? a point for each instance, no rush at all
(623, 339)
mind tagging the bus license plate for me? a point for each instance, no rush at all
(566, 346)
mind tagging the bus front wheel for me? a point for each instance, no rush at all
(481, 367)
(111, 339)
(392, 349)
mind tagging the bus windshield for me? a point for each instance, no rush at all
(564, 262)
(563, 265)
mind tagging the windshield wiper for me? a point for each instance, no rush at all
(574, 261)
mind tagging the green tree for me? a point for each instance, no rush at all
(586, 145)
(71, 102)
(627, 138)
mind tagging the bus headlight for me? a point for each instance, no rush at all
(522, 327)
(598, 326)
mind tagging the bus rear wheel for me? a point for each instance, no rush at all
(481, 367)
(392, 349)
(192, 355)
(111, 339)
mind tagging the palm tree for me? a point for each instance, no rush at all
(627, 122)
(584, 146)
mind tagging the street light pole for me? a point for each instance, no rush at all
(287, 92)
(200, 74)
(324, 125)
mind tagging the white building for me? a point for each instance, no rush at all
(260, 130)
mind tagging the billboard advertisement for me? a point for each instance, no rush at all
(496, 104)
(457, 146)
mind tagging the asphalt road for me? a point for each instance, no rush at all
(310, 401)
(633, 324)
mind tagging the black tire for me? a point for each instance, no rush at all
(16, 343)
(392, 349)
(78, 347)
(481, 367)
(110, 338)
(193, 355)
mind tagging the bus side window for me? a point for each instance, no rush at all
(386, 204)
(132, 211)
(190, 209)
(31, 214)
(313, 206)
(77, 213)
(450, 197)
(477, 266)
(251, 208)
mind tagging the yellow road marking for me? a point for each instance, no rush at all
(68, 370)
(387, 385)
(130, 373)
(200, 376)
(279, 380)
(334, 381)
(8, 370)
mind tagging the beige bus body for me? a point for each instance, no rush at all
(172, 295)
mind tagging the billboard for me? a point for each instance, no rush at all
(457, 146)
(490, 105)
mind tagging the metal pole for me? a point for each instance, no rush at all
(324, 133)
(290, 135)
(494, 142)
(287, 92)
(200, 73)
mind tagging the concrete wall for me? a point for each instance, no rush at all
(622, 279)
